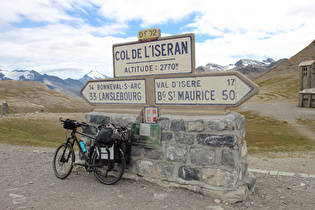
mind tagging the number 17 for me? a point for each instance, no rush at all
(231, 82)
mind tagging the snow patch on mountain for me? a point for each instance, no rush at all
(17, 75)
(93, 75)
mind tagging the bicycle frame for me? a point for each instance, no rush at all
(75, 140)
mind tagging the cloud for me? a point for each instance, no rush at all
(58, 47)
(73, 37)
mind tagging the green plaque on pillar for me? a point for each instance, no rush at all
(146, 135)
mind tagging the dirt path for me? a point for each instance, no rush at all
(27, 181)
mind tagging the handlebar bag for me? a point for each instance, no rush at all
(105, 136)
(69, 124)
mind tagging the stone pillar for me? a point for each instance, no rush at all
(5, 109)
(206, 154)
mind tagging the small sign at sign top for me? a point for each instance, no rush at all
(149, 34)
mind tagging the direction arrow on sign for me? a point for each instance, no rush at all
(225, 89)
(115, 91)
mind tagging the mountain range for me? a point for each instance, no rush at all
(68, 86)
(250, 68)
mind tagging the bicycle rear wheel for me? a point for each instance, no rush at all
(109, 171)
(63, 160)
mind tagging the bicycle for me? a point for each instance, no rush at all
(105, 156)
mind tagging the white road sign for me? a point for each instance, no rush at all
(115, 92)
(202, 90)
(169, 55)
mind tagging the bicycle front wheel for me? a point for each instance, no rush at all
(109, 171)
(63, 160)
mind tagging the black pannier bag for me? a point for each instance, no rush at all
(126, 148)
(69, 124)
(105, 136)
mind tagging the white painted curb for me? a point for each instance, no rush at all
(281, 173)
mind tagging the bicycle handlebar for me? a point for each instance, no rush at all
(75, 122)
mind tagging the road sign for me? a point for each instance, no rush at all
(115, 91)
(226, 90)
(169, 55)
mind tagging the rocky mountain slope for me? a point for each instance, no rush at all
(250, 68)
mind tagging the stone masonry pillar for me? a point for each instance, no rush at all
(5, 109)
(206, 154)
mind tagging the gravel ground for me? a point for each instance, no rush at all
(27, 181)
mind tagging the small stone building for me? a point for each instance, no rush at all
(307, 84)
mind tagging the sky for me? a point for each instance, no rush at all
(69, 38)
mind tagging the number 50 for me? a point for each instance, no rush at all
(228, 95)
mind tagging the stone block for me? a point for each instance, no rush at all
(243, 170)
(185, 138)
(243, 149)
(144, 167)
(197, 125)
(176, 153)
(90, 129)
(99, 119)
(135, 151)
(229, 158)
(163, 122)
(165, 169)
(188, 173)
(221, 124)
(125, 120)
(250, 181)
(219, 177)
(240, 122)
(217, 140)
(178, 125)
(156, 154)
(166, 136)
(202, 157)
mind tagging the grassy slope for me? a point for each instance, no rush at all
(266, 134)
(40, 129)
(29, 96)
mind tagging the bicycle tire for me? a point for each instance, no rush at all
(110, 171)
(63, 160)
